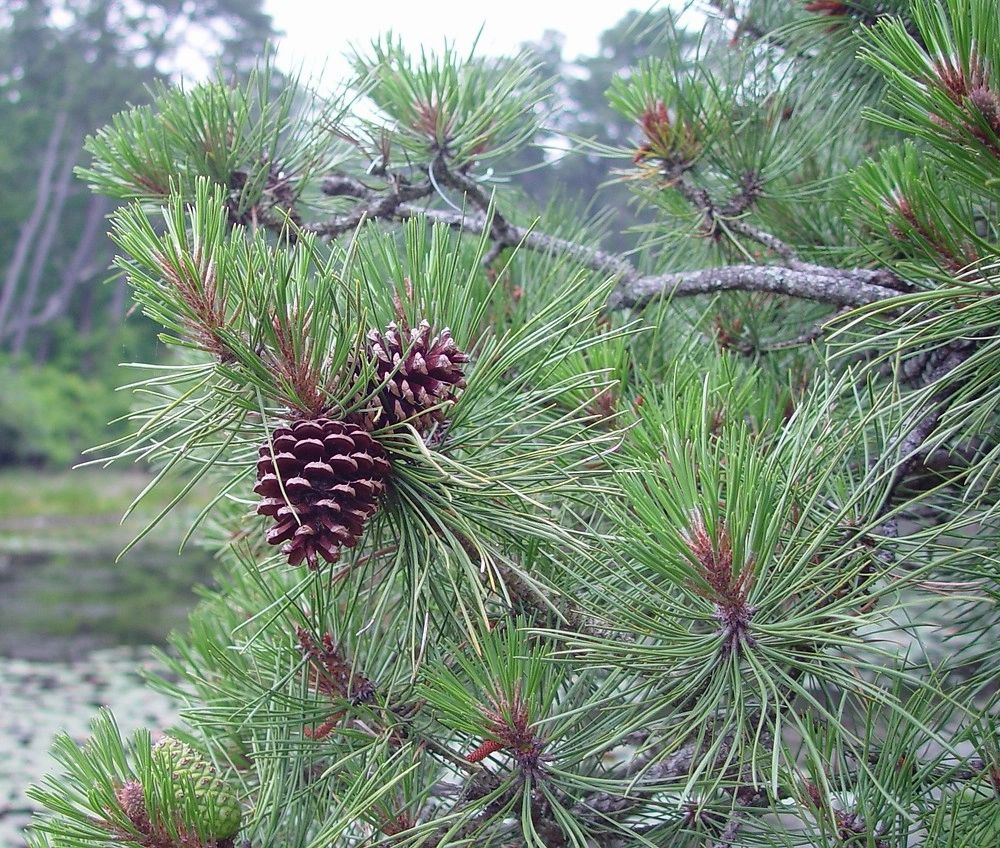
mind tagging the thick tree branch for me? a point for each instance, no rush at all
(838, 287)
(835, 286)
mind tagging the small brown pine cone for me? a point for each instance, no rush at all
(320, 481)
(988, 104)
(132, 800)
(422, 375)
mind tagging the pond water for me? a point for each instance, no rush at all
(62, 606)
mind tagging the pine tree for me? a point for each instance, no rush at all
(693, 546)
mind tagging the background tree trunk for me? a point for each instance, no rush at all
(80, 266)
(28, 232)
(44, 244)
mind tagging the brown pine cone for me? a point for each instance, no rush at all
(422, 375)
(320, 481)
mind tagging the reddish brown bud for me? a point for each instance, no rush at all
(670, 140)
(727, 588)
(509, 723)
(490, 746)
(831, 8)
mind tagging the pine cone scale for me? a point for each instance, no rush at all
(338, 445)
(309, 449)
(282, 533)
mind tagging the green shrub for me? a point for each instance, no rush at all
(48, 416)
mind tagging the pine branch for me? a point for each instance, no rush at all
(808, 336)
(479, 786)
(731, 831)
(608, 804)
(500, 230)
(952, 772)
(745, 28)
(720, 511)
(835, 286)
(528, 596)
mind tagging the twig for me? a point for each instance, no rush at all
(500, 229)
(731, 831)
(605, 804)
(948, 772)
(376, 204)
(725, 217)
(745, 26)
(921, 425)
(807, 337)
(479, 786)
(527, 594)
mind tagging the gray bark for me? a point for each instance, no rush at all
(26, 238)
(80, 267)
(43, 245)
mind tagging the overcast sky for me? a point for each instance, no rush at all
(319, 31)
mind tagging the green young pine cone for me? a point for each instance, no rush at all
(218, 809)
